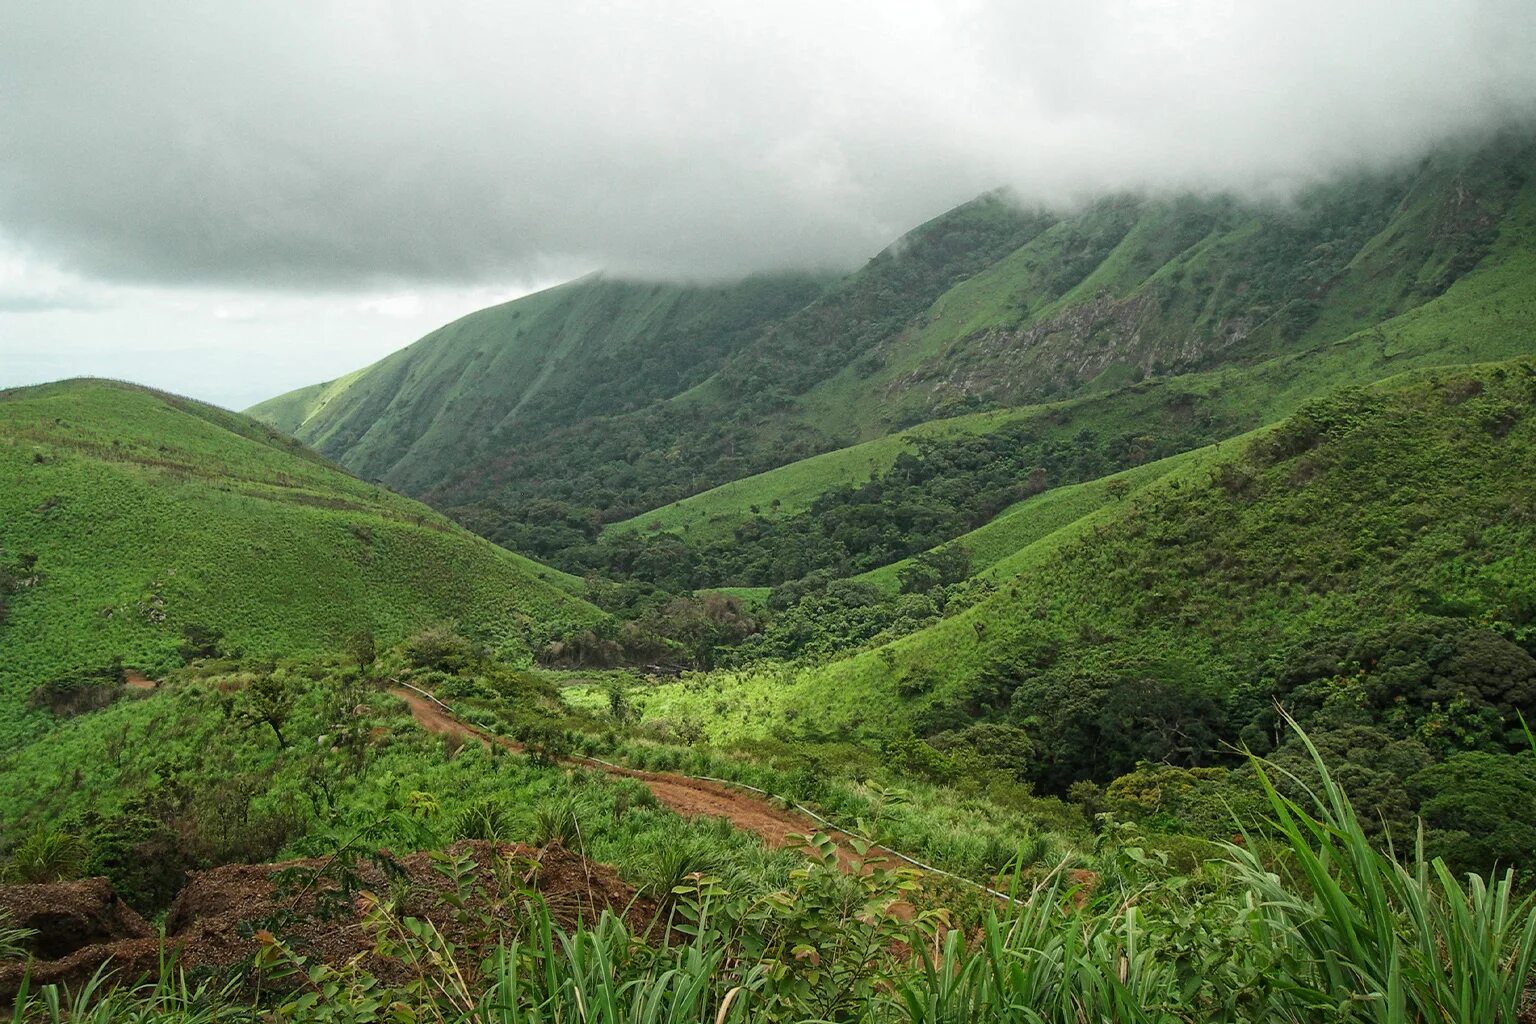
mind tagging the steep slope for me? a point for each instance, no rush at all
(129, 516)
(1488, 313)
(654, 381)
(454, 400)
(988, 305)
(1373, 508)
(1133, 286)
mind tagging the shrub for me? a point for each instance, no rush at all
(47, 855)
(442, 648)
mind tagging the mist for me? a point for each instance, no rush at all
(327, 145)
(380, 149)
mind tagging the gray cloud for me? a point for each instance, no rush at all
(346, 145)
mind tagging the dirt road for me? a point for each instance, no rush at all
(691, 798)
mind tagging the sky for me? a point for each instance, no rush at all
(233, 199)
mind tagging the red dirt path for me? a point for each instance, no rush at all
(691, 798)
(136, 680)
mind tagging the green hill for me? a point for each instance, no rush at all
(998, 541)
(453, 402)
(1488, 313)
(541, 420)
(129, 516)
(1372, 509)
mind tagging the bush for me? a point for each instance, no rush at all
(47, 855)
(544, 742)
(443, 649)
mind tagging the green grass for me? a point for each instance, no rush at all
(147, 514)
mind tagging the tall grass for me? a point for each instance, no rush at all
(173, 999)
(1389, 941)
(1318, 927)
(1334, 930)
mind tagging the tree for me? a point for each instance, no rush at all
(938, 568)
(362, 649)
(442, 648)
(619, 705)
(200, 641)
(269, 700)
(1478, 811)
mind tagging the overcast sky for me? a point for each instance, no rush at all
(232, 199)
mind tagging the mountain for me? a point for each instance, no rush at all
(950, 473)
(992, 305)
(131, 518)
(451, 402)
(1192, 600)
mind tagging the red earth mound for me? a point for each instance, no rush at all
(82, 925)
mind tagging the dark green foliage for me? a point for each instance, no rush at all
(363, 649)
(442, 648)
(818, 616)
(269, 700)
(544, 742)
(200, 641)
(1477, 809)
(80, 693)
(1451, 684)
(935, 492)
(1096, 729)
(938, 568)
(663, 631)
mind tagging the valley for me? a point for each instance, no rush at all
(1124, 610)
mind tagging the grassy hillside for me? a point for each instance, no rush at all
(128, 516)
(457, 398)
(1368, 509)
(290, 412)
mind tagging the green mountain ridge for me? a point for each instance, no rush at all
(595, 346)
(1486, 314)
(988, 305)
